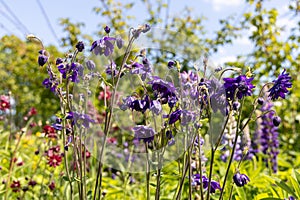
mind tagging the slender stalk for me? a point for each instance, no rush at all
(147, 173)
(200, 170)
(108, 119)
(63, 110)
(185, 169)
(231, 191)
(210, 172)
(81, 164)
(233, 150)
(157, 192)
(190, 176)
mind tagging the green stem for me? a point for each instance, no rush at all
(109, 118)
(147, 173)
(233, 149)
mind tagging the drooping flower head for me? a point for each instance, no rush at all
(217, 94)
(240, 179)
(107, 29)
(144, 133)
(82, 120)
(280, 86)
(214, 185)
(43, 58)
(240, 85)
(80, 46)
(175, 116)
(164, 91)
(105, 45)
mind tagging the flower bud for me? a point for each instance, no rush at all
(276, 120)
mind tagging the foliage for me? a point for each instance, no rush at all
(119, 93)
(22, 77)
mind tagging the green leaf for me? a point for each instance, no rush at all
(286, 187)
(297, 175)
(296, 186)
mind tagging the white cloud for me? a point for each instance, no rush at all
(244, 40)
(221, 60)
(219, 4)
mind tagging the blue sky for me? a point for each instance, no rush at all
(30, 14)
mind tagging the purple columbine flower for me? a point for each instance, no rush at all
(111, 69)
(214, 185)
(144, 133)
(107, 29)
(189, 81)
(241, 83)
(143, 69)
(127, 101)
(50, 83)
(90, 65)
(82, 120)
(187, 117)
(163, 90)
(57, 125)
(59, 61)
(103, 46)
(80, 46)
(217, 94)
(42, 60)
(175, 116)
(240, 179)
(280, 86)
(120, 42)
(155, 107)
(171, 64)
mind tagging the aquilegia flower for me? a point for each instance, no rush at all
(104, 46)
(240, 85)
(163, 90)
(175, 116)
(43, 58)
(240, 179)
(80, 46)
(214, 185)
(82, 120)
(144, 133)
(280, 86)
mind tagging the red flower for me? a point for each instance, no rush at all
(32, 183)
(54, 160)
(15, 186)
(49, 131)
(20, 163)
(52, 151)
(87, 154)
(4, 102)
(51, 185)
(32, 111)
(106, 94)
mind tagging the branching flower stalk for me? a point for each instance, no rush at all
(109, 111)
(233, 148)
